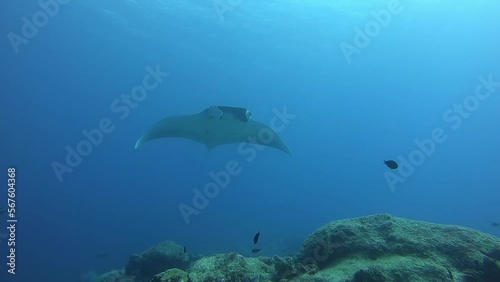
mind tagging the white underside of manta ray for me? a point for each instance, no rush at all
(214, 126)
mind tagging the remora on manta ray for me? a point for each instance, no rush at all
(214, 126)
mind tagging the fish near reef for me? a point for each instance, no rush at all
(256, 238)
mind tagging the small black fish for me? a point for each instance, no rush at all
(256, 238)
(184, 249)
(495, 224)
(391, 164)
(255, 250)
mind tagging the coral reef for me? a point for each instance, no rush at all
(156, 259)
(387, 248)
(172, 275)
(230, 267)
(115, 276)
(377, 248)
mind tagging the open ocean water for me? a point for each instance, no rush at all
(351, 83)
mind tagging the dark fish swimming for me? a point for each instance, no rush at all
(495, 224)
(255, 250)
(256, 238)
(391, 164)
(184, 249)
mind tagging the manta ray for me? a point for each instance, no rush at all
(214, 126)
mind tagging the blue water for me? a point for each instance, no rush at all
(352, 111)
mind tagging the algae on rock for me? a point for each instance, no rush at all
(156, 259)
(230, 267)
(171, 275)
(388, 248)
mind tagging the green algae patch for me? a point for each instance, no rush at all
(230, 267)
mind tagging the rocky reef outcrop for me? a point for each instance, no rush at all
(230, 267)
(172, 275)
(387, 248)
(377, 248)
(115, 276)
(154, 260)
